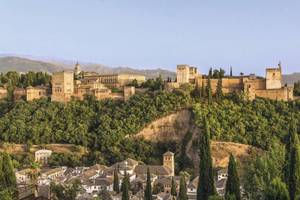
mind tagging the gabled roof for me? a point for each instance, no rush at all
(154, 169)
(169, 153)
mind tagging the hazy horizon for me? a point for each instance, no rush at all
(249, 36)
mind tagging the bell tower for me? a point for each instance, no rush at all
(168, 161)
(77, 69)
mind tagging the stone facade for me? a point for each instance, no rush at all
(269, 87)
(42, 156)
(186, 74)
(168, 161)
(62, 86)
(118, 80)
(37, 92)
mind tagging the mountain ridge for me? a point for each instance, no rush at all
(10, 62)
(22, 64)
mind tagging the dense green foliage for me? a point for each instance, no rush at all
(100, 125)
(233, 181)
(256, 123)
(206, 185)
(262, 170)
(277, 191)
(65, 192)
(16, 79)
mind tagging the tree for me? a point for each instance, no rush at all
(277, 190)
(203, 92)
(33, 173)
(125, 188)
(8, 171)
(116, 185)
(148, 190)
(219, 92)
(297, 88)
(230, 71)
(173, 188)
(294, 167)
(215, 197)
(208, 91)
(210, 72)
(233, 182)
(206, 185)
(182, 189)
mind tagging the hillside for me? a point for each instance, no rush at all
(25, 65)
(175, 126)
(20, 64)
(291, 78)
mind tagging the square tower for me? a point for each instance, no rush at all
(62, 86)
(168, 161)
(186, 74)
(273, 78)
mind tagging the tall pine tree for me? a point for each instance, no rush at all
(8, 171)
(219, 92)
(294, 167)
(116, 185)
(233, 182)
(208, 91)
(173, 188)
(148, 190)
(125, 187)
(182, 189)
(206, 185)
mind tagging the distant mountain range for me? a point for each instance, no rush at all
(22, 64)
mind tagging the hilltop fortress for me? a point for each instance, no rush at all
(251, 85)
(76, 84)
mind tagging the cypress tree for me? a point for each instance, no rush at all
(219, 92)
(230, 71)
(233, 182)
(203, 93)
(206, 185)
(208, 91)
(116, 185)
(148, 190)
(294, 168)
(8, 171)
(182, 190)
(125, 187)
(173, 188)
(210, 73)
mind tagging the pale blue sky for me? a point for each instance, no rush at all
(247, 34)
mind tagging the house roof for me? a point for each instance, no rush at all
(194, 183)
(169, 153)
(154, 169)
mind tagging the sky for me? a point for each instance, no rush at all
(248, 35)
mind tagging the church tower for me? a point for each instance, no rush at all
(77, 69)
(168, 161)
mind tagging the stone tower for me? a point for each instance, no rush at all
(273, 77)
(77, 69)
(168, 161)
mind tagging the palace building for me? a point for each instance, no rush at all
(269, 87)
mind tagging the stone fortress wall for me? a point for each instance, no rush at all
(269, 87)
(70, 84)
